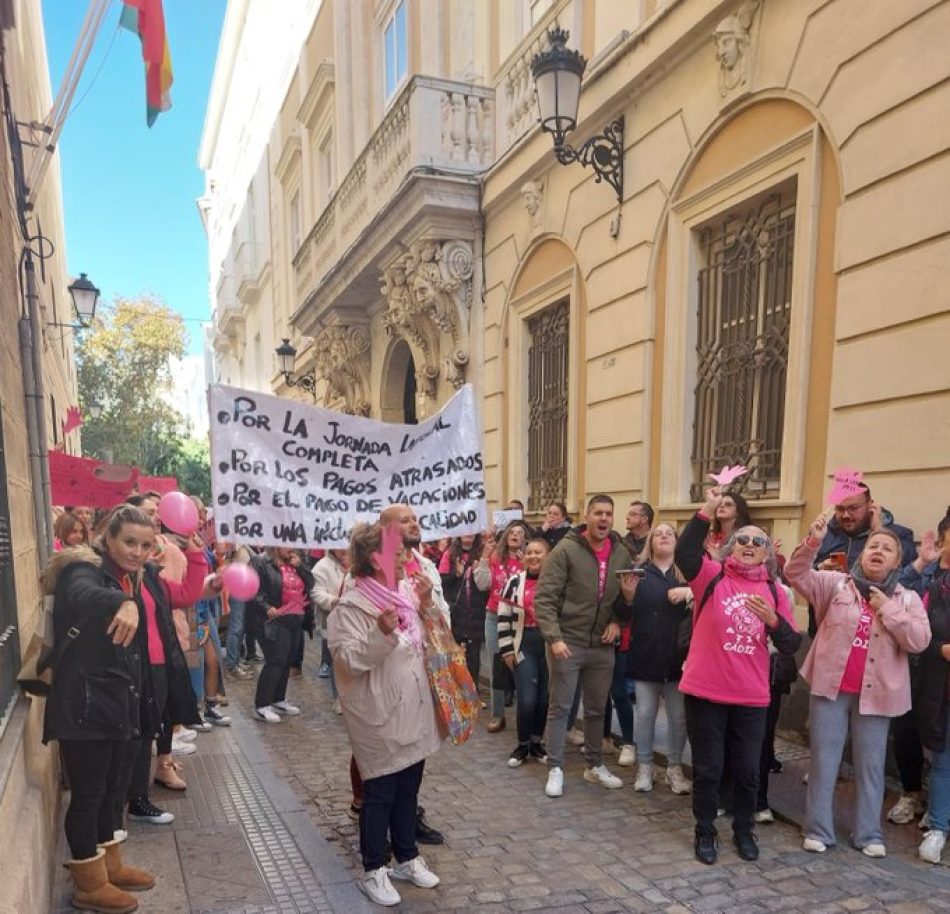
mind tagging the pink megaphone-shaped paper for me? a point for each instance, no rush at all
(847, 483)
(729, 474)
(179, 513)
(390, 547)
(240, 581)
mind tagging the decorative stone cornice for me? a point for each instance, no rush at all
(342, 357)
(428, 293)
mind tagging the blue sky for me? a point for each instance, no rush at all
(129, 191)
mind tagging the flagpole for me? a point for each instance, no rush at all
(56, 118)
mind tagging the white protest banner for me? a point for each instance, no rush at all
(502, 518)
(284, 473)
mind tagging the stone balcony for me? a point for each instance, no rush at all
(434, 126)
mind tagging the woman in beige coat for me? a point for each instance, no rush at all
(376, 639)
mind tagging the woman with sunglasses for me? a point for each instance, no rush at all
(737, 608)
(858, 670)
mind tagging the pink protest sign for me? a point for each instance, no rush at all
(84, 481)
(729, 474)
(390, 548)
(847, 483)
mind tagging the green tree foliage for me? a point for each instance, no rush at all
(123, 364)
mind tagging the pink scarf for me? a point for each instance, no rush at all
(382, 598)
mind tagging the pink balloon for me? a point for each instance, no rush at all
(179, 513)
(240, 581)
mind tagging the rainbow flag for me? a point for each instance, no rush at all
(147, 19)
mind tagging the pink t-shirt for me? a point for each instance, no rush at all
(501, 573)
(728, 660)
(530, 586)
(603, 558)
(156, 648)
(858, 658)
(292, 592)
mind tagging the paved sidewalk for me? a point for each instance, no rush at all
(263, 829)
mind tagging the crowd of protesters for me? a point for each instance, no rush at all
(699, 620)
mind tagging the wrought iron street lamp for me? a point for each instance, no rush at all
(94, 409)
(85, 297)
(557, 76)
(286, 354)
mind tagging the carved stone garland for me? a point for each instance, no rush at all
(428, 294)
(342, 356)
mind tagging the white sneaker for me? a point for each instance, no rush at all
(417, 872)
(555, 784)
(763, 816)
(874, 850)
(183, 733)
(907, 808)
(182, 748)
(202, 727)
(377, 886)
(932, 846)
(285, 707)
(337, 707)
(600, 775)
(272, 717)
(575, 737)
(814, 846)
(677, 781)
(628, 756)
(644, 780)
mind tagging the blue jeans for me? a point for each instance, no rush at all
(939, 806)
(235, 634)
(621, 701)
(648, 704)
(832, 721)
(531, 686)
(497, 705)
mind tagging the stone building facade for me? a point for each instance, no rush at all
(30, 794)
(769, 289)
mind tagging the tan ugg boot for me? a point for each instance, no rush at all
(125, 877)
(94, 892)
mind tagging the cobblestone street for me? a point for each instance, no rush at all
(264, 829)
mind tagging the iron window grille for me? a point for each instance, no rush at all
(548, 370)
(742, 340)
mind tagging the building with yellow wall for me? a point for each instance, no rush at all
(30, 795)
(768, 290)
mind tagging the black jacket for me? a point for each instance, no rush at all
(934, 670)
(103, 691)
(466, 602)
(655, 654)
(271, 592)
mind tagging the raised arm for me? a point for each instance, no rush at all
(817, 587)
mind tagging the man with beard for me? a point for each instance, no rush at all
(639, 523)
(584, 596)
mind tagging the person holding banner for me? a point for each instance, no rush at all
(284, 597)
(117, 658)
(857, 668)
(376, 640)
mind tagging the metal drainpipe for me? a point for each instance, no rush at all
(31, 363)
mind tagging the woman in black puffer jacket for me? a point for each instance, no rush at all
(112, 623)
(661, 615)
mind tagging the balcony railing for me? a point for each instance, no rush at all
(440, 124)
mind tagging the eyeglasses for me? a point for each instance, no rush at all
(744, 539)
(851, 509)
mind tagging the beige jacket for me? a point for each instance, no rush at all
(388, 706)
